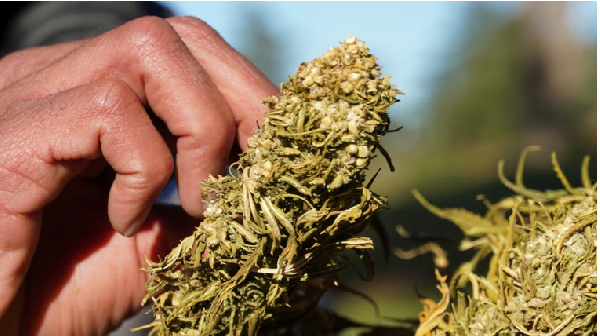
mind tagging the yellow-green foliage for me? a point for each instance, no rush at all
(540, 251)
(275, 230)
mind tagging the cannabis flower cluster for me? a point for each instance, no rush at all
(540, 251)
(276, 228)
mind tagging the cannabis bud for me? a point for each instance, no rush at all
(275, 230)
(540, 251)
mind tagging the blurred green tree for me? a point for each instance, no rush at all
(511, 82)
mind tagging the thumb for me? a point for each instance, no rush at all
(175, 224)
(16, 252)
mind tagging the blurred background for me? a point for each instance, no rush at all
(482, 82)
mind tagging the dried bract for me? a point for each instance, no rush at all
(541, 278)
(275, 230)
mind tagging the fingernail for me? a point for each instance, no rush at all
(138, 223)
(133, 228)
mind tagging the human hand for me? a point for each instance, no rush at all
(77, 142)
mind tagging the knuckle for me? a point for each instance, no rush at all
(197, 148)
(151, 34)
(112, 97)
(156, 173)
(227, 136)
(220, 132)
(163, 168)
(227, 133)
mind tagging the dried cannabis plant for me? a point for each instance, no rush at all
(540, 249)
(275, 230)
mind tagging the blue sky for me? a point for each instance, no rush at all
(411, 39)
(408, 38)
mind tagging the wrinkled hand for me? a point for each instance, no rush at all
(79, 150)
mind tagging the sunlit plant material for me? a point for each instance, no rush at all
(275, 230)
(540, 251)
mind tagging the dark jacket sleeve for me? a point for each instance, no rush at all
(31, 24)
